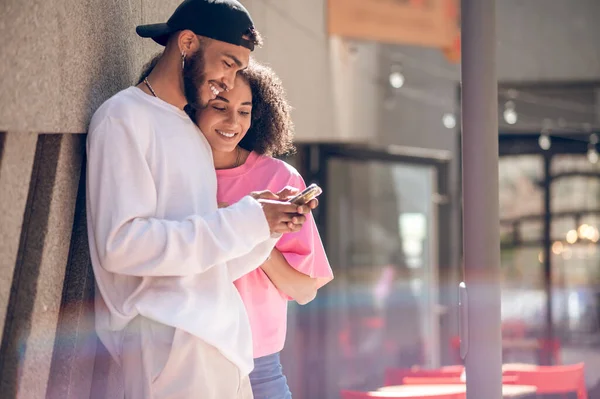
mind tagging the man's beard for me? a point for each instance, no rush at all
(193, 79)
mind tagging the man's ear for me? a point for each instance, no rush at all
(188, 42)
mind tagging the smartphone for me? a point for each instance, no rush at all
(306, 195)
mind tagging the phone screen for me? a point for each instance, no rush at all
(306, 195)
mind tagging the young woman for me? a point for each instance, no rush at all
(246, 127)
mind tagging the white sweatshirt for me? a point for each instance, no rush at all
(160, 248)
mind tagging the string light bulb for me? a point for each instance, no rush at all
(592, 152)
(592, 155)
(449, 121)
(510, 114)
(396, 77)
(545, 142)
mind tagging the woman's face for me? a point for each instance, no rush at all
(226, 119)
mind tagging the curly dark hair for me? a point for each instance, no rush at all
(271, 131)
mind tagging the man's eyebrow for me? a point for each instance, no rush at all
(235, 59)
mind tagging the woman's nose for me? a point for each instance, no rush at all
(232, 118)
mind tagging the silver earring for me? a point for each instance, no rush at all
(182, 60)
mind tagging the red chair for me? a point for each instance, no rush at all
(455, 368)
(390, 395)
(396, 376)
(553, 379)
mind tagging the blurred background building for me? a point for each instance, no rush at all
(376, 99)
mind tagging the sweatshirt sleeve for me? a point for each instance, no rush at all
(126, 236)
(243, 265)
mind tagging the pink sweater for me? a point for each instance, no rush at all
(265, 304)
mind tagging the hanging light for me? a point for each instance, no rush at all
(582, 230)
(557, 247)
(544, 141)
(510, 114)
(595, 235)
(396, 76)
(587, 232)
(449, 121)
(592, 153)
(572, 236)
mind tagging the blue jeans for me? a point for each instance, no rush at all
(267, 379)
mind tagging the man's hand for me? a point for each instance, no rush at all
(282, 216)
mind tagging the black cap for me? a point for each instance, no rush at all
(224, 20)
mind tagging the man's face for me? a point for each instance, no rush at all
(211, 70)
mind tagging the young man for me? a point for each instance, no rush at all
(164, 256)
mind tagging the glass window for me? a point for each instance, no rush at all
(575, 193)
(572, 163)
(523, 295)
(531, 231)
(520, 192)
(561, 227)
(380, 310)
(507, 234)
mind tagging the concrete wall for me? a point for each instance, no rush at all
(40, 180)
(62, 59)
(322, 78)
(296, 47)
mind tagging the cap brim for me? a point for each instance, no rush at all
(158, 32)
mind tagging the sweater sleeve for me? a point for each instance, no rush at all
(127, 237)
(245, 264)
(304, 250)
